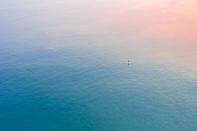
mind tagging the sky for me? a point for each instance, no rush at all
(165, 30)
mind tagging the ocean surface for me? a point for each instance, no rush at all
(64, 66)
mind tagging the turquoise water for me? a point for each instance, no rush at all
(71, 81)
(69, 92)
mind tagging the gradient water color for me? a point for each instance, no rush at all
(64, 65)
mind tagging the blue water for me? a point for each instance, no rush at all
(82, 86)
(55, 90)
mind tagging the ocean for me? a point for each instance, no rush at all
(64, 67)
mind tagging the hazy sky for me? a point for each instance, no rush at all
(164, 29)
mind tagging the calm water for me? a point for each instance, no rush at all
(63, 67)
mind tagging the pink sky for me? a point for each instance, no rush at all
(167, 28)
(164, 29)
(168, 19)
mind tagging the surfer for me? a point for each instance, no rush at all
(129, 62)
